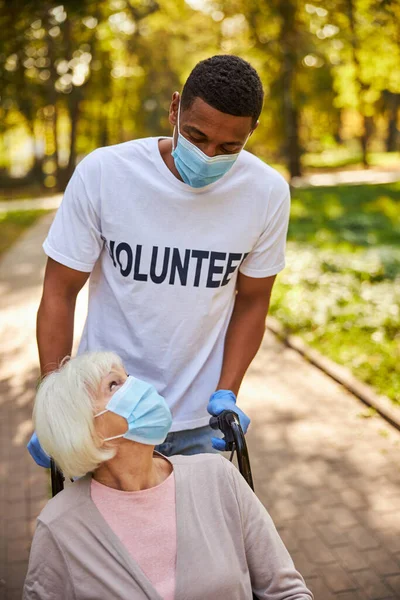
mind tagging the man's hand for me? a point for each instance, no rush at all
(225, 400)
(37, 452)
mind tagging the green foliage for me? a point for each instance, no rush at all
(341, 288)
(86, 74)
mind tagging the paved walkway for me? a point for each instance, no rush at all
(329, 477)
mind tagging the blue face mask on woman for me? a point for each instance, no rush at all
(148, 415)
(196, 168)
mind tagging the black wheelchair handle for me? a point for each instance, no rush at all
(228, 422)
(57, 479)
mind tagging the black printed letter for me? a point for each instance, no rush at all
(136, 275)
(230, 268)
(176, 265)
(200, 255)
(153, 276)
(123, 247)
(214, 269)
(111, 252)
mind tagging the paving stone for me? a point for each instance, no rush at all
(394, 583)
(18, 550)
(333, 535)
(302, 529)
(315, 514)
(351, 558)
(363, 538)
(353, 595)
(382, 562)
(374, 586)
(284, 509)
(380, 521)
(353, 499)
(16, 528)
(320, 589)
(389, 539)
(383, 504)
(337, 579)
(303, 495)
(329, 499)
(343, 517)
(15, 575)
(336, 482)
(318, 552)
(17, 510)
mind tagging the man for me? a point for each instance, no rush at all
(182, 239)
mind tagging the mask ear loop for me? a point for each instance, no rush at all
(101, 413)
(109, 438)
(173, 135)
(114, 437)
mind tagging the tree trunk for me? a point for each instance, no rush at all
(288, 40)
(393, 102)
(361, 86)
(291, 116)
(74, 105)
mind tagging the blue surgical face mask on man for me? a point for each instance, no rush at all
(148, 415)
(196, 168)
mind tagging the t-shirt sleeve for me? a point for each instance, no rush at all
(74, 239)
(48, 577)
(272, 572)
(267, 257)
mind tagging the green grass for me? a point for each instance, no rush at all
(14, 223)
(341, 289)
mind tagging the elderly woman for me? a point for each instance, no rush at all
(136, 525)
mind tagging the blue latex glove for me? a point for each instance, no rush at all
(37, 452)
(225, 400)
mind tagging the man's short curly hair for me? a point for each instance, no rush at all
(227, 83)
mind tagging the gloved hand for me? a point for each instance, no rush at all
(225, 400)
(37, 452)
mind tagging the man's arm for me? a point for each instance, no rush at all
(55, 318)
(246, 329)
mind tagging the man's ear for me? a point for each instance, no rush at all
(255, 127)
(173, 108)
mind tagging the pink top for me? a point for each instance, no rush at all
(145, 522)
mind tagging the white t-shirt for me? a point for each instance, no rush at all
(164, 259)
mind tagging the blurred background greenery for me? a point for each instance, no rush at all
(91, 73)
(83, 74)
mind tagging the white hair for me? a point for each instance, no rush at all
(64, 410)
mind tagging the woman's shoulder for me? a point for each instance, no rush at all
(213, 461)
(66, 501)
(203, 466)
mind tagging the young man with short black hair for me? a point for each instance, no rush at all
(182, 239)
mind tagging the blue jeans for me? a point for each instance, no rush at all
(189, 441)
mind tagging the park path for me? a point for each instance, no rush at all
(328, 475)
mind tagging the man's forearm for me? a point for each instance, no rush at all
(55, 329)
(243, 339)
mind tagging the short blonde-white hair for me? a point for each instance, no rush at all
(63, 414)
